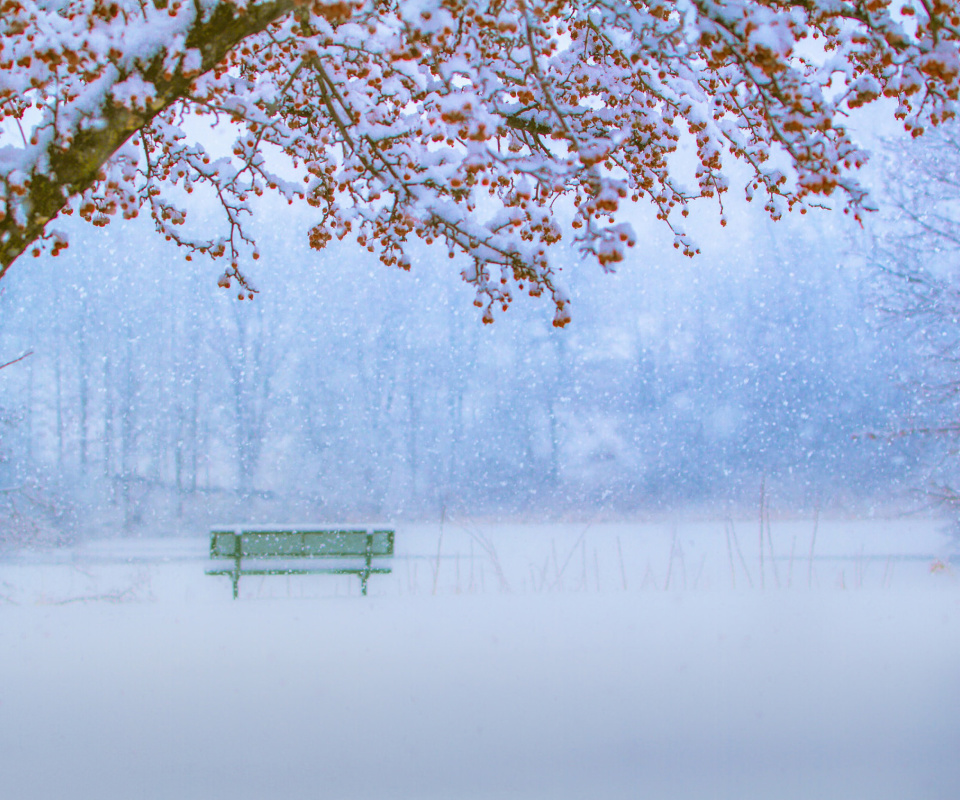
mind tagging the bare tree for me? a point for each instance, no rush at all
(916, 289)
(29, 513)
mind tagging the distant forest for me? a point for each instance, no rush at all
(155, 403)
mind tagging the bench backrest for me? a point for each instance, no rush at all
(300, 543)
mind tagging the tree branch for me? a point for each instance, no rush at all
(71, 170)
(11, 363)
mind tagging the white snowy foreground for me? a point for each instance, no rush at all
(846, 686)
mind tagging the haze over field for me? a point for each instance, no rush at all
(684, 530)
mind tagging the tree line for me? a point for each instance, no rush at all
(154, 403)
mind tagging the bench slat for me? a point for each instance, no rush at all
(306, 571)
(333, 543)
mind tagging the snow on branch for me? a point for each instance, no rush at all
(408, 118)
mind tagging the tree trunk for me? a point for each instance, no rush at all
(68, 170)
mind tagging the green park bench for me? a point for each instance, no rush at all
(281, 551)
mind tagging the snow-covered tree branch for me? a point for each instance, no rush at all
(461, 121)
(93, 74)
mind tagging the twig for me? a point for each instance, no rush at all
(743, 561)
(733, 571)
(573, 549)
(583, 555)
(10, 363)
(773, 558)
(492, 556)
(649, 574)
(556, 564)
(703, 562)
(543, 573)
(793, 547)
(109, 597)
(436, 569)
(673, 544)
(623, 571)
(473, 586)
(813, 541)
(762, 501)
(683, 563)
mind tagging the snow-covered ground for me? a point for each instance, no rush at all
(561, 661)
(472, 557)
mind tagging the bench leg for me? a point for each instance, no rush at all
(237, 556)
(368, 559)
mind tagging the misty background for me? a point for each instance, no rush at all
(786, 355)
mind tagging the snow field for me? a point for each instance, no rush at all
(471, 557)
(561, 691)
